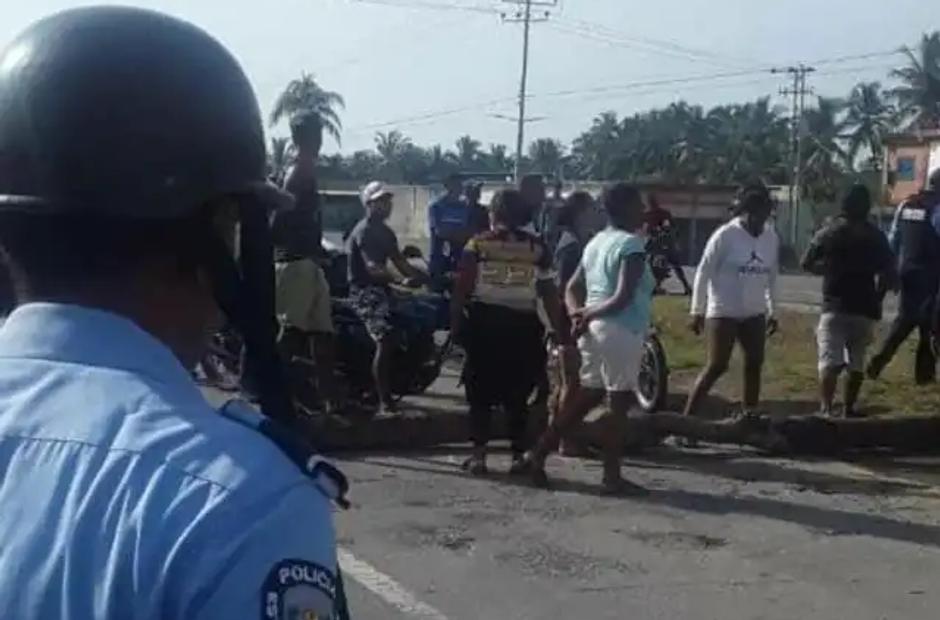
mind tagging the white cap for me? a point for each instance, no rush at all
(374, 191)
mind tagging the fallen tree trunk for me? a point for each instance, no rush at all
(796, 434)
(792, 435)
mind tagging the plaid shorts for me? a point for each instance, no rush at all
(373, 306)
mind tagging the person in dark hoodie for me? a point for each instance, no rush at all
(858, 268)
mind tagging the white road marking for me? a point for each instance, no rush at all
(385, 587)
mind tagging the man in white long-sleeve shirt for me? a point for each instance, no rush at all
(734, 295)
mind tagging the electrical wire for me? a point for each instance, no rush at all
(655, 44)
(427, 4)
(634, 45)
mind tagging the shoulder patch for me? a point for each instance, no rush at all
(328, 479)
(298, 589)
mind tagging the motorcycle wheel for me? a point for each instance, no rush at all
(653, 381)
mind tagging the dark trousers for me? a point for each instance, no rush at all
(505, 361)
(915, 311)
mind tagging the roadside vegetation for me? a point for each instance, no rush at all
(790, 373)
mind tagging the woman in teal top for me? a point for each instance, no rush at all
(609, 301)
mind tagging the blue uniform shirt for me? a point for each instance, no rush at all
(444, 215)
(124, 495)
(894, 234)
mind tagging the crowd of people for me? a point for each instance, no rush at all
(586, 288)
(133, 212)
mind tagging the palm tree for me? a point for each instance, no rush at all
(305, 95)
(497, 159)
(280, 158)
(364, 165)
(825, 160)
(595, 149)
(391, 146)
(468, 152)
(868, 117)
(918, 97)
(547, 155)
(441, 163)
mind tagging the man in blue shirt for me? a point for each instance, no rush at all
(449, 219)
(123, 494)
(915, 238)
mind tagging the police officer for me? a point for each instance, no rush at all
(131, 146)
(916, 239)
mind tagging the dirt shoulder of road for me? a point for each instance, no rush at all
(790, 373)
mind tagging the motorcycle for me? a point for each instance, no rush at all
(653, 381)
(419, 320)
(659, 247)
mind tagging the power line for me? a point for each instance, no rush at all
(864, 56)
(427, 4)
(634, 45)
(659, 45)
(360, 57)
(648, 86)
(431, 115)
(654, 82)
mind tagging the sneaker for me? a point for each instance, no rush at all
(539, 478)
(388, 409)
(520, 465)
(475, 466)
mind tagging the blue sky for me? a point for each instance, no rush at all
(395, 63)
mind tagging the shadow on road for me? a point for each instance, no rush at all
(733, 465)
(830, 521)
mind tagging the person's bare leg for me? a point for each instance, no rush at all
(380, 373)
(720, 335)
(613, 483)
(324, 354)
(853, 385)
(828, 381)
(752, 336)
(576, 404)
(570, 380)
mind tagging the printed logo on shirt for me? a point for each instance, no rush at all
(298, 590)
(507, 270)
(913, 214)
(754, 266)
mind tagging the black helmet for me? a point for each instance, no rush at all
(126, 112)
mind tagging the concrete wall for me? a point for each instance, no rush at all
(698, 210)
(923, 150)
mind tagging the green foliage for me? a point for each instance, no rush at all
(305, 95)
(918, 96)
(680, 143)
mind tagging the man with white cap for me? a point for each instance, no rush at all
(370, 246)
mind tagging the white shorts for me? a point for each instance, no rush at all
(842, 340)
(610, 357)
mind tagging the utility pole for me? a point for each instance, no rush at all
(524, 15)
(798, 93)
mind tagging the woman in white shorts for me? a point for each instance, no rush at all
(608, 299)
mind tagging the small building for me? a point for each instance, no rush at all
(910, 157)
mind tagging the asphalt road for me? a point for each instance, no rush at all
(721, 535)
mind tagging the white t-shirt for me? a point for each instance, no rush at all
(737, 276)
